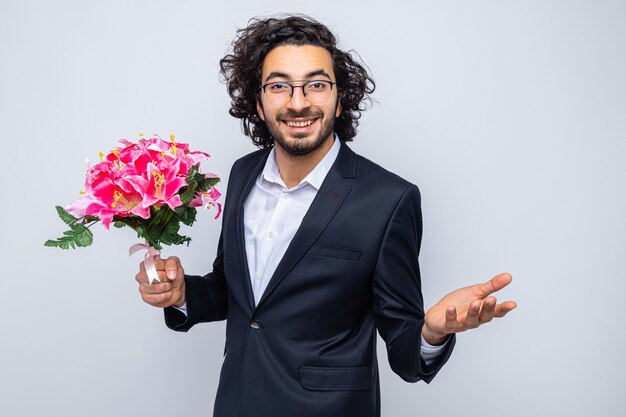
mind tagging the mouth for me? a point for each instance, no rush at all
(299, 125)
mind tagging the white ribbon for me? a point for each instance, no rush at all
(151, 255)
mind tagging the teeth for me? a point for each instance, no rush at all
(300, 124)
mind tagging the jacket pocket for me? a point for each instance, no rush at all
(319, 378)
(335, 252)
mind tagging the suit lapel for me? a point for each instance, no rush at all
(252, 174)
(327, 201)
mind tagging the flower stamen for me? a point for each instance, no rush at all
(174, 148)
(159, 180)
(118, 197)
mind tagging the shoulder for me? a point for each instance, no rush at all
(380, 180)
(244, 168)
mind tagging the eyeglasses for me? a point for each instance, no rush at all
(315, 91)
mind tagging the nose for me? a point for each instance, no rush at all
(298, 100)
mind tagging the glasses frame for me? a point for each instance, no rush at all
(293, 87)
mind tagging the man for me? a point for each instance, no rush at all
(319, 246)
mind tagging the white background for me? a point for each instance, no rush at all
(509, 115)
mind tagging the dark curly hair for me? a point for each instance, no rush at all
(241, 70)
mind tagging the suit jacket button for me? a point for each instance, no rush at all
(255, 325)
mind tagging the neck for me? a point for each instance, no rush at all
(294, 168)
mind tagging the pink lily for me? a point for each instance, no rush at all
(163, 185)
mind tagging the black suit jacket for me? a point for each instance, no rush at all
(308, 349)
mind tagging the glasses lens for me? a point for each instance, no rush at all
(277, 93)
(315, 91)
(318, 91)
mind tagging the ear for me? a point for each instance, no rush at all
(338, 106)
(259, 109)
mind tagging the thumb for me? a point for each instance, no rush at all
(173, 268)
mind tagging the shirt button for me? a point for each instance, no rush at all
(284, 196)
(255, 325)
(270, 234)
(258, 275)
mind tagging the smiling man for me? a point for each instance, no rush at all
(299, 104)
(319, 246)
(310, 114)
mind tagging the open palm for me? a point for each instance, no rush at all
(466, 308)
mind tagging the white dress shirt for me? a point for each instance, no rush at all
(272, 215)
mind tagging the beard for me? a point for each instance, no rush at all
(297, 145)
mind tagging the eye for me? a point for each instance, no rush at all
(279, 87)
(317, 85)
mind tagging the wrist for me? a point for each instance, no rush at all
(433, 337)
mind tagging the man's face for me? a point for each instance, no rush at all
(297, 126)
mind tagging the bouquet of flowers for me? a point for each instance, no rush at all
(151, 186)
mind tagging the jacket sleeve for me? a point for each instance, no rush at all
(396, 285)
(206, 297)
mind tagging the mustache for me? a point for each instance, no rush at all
(304, 114)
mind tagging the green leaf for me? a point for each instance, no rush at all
(66, 217)
(170, 235)
(205, 184)
(187, 195)
(192, 173)
(193, 179)
(78, 236)
(186, 214)
(196, 183)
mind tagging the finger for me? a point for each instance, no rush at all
(155, 287)
(159, 264)
(141, 275)
(487, 309)
(158, 300)
(495, 284)
(451, 323)
(503, 308)
(172, 267)
(472, 316)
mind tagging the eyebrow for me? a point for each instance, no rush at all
(278, 74)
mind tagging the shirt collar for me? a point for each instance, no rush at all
(314, 178)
